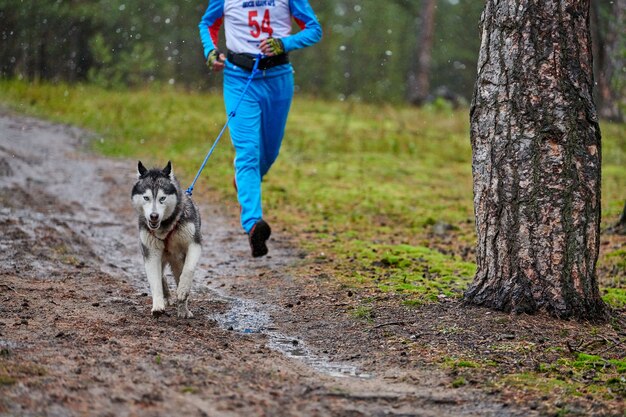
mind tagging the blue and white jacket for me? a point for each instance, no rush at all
(248, 22)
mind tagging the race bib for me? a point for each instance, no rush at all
(248, 22)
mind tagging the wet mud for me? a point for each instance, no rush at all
(77, 338)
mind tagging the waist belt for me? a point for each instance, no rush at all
(246, 61)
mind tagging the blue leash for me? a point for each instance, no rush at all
(232, 114)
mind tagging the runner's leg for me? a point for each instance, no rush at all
(245, 134)
(276, 101)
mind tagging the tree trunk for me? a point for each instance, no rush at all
(620, 227)
(419, 80)
(536, 161)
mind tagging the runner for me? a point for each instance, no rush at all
(254, 27)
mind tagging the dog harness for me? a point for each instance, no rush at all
(166, 239)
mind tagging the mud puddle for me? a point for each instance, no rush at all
(249, 317)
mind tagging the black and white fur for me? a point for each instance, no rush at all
(169, 230)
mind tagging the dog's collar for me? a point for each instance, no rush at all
(167, 236)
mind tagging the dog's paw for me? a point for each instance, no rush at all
(158, 307)
(157, 313)
(184, 313)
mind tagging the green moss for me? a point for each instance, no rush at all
(467, 364)
(533, 381)
(615, 297)
(619, 364)
(565, 384)
(583, 373)
(459, 382)
(584, 361)
(420, 273)
(562, 412)
(413, 303)
(11, 372)
(7, 380)
(617, 385)
(362, 313)
(454, 363)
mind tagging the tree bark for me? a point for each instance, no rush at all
(419, 80)
(536, 161)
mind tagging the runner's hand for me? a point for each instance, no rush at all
(272, 46)
(215, 61)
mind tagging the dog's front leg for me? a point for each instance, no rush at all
(166, 290)
(154, 272)
(152, 257)
(186, 279)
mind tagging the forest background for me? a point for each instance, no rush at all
(370, 50)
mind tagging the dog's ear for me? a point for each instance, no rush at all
(141, 170)
(167, 171)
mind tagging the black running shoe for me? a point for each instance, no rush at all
(258, 235)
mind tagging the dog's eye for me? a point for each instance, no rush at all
(162, 199)
(145, 197)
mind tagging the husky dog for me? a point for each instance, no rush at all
(169, 230)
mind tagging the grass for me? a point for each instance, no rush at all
(459, 382)
(365, 185)
(362, 313)
(615, 297)
(454, 363)
(423, 274)
(12, 372)
(579, 375)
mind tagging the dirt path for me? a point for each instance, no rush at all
(76, 336)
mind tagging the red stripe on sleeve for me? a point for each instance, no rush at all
(300, 23)
(214, 30)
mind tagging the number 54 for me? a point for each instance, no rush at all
(265, 25)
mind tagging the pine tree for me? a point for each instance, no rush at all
(536, 161)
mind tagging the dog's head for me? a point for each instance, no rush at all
(155, 194)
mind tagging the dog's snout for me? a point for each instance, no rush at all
(154, 217)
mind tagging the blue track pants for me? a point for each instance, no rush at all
(256, 132)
